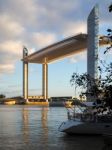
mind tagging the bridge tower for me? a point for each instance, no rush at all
(92, 45)
(25, 74)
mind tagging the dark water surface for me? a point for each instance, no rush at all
(36, 128)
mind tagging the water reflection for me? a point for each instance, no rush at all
(25, 121)
(35, 123)
(44, 123)
(44, 117)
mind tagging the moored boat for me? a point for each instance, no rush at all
(83, 119)
(68, 104)
(9, 102)
(39, 102)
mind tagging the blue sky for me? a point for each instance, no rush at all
(36, 24)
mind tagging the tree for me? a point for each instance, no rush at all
(82, 81)
(2, 96)
(100, 89)
(109, 33)
(110, 8)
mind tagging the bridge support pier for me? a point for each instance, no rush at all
(25, 75)
(45, 80)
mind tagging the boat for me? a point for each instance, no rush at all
(39, 102)
(60, 101)
(68, 104)
(87, 118)
(9, 102)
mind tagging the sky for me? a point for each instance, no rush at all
(37, 24)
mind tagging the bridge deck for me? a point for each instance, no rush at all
(62, 49)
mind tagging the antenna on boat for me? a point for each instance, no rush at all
(75, 83)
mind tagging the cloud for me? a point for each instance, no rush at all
(6, 68)
(74, 28)
(78, 57)
(23, 11)
(42, 39)
(11, 47)
(54, 14)
(10, 52)
(9, 28)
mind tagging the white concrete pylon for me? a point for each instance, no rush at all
(45, 80)
(25, 75)
(93, 42)
(92, 48)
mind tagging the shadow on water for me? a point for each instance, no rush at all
(84, 142)
(108, 142)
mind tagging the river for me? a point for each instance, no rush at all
(36, 128)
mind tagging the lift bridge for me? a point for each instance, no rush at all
(64, 48)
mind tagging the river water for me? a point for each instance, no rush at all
(36, 128)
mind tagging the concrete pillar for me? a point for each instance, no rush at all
(25, 75)
(45, 80)
(93, 45)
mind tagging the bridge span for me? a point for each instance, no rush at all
(60, 50)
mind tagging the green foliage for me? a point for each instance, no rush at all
(99, 89)
(110, 8)
(2, 96)
(109, 35)
(83, 81)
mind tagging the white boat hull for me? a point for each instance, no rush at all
(78, 127)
